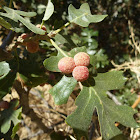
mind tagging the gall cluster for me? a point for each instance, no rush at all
(32, 46)
(76, 66)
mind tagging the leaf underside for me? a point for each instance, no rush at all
(49, 10)
(83, 16)
(16, 15)
(95, 97)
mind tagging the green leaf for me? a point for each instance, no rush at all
(14, 130)
(6, 83)
(51, 63)
(65, 41)
(7, 136)
(95, 97)
(62, 90)
(26, 14)
(15, 16)
(4, 69)
(30, 72)
(49, 10)
(110, 80)
(5, 24)
(83, 16)
(8, 116)
(74, 51)
(31, 26)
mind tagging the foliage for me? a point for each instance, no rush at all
(95, 97)
(9, 116)
(29, 68)
(62, 90)
(83, 15)
(6, 78)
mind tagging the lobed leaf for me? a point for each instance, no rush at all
(110, 80)
(8, 116)
(83, 16)
(49, 10)
(95, 97)
(15, 16)
(62, 90)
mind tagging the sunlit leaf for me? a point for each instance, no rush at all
(62, 90)
(94, 97)
(49, 10)
(83, 16)
(4, 69)
(15, 16)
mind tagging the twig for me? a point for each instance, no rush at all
(136, 103)
(80, 85)
(10, 4)
(35, 134)
(52, 110)
(7, 40)
(45, 104)
(113, 97)
(60, 29)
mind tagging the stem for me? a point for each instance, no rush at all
(60, 29)
(136, 103)
(55, 45)
(7, 40)
(68, 23)
(42, 24)
(10, 4)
